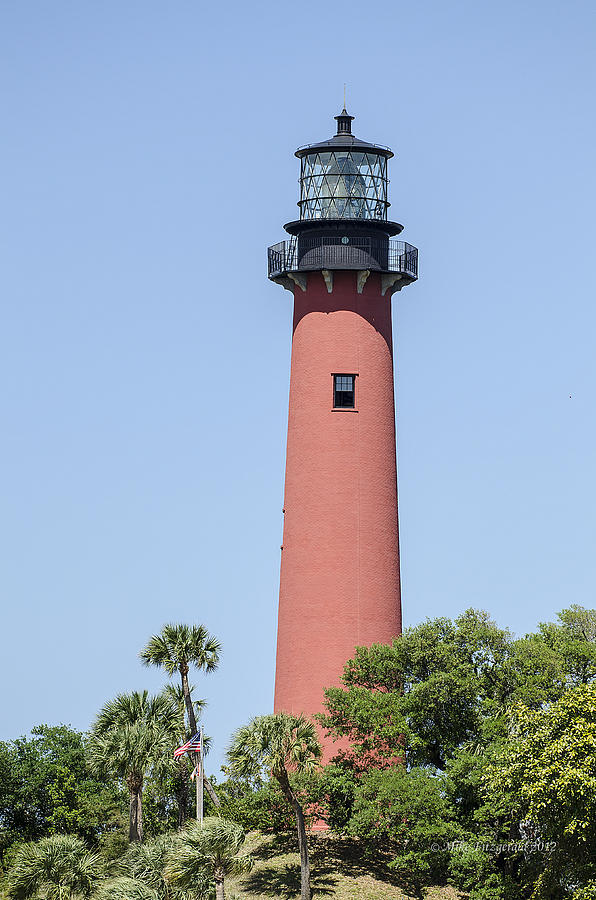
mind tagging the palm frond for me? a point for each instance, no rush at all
(176, 695)
(178, 646)
(55, 867)
(203, 848)
(275, 744)
(147, 862)
(133, 733)
(123, 888)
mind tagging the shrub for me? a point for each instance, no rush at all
(407, 812)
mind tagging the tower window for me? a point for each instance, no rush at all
(343, 391)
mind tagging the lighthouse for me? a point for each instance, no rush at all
(340, 575)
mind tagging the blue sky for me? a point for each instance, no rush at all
(147, 163)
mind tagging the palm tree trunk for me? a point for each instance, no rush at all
(220, 893)
(210, 791)
(304, 858)
(135, 830)
(192, 721)
(290, 796)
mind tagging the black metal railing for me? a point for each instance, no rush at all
(303, 254)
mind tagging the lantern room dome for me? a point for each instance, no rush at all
(343, 178)
(344, 139)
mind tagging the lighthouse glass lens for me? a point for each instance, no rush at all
(343, 184)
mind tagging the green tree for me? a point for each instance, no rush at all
(255, 803)
(264, 809)
(175, 649)
(134, 734)
(573, 639)
(213, 847)
(439, 696)
(408, 813)
(46, 788)
(588, 892)
(426, 693)
(280, 745)
(439, 687)
(336, 789)
(54, 868)
(475, 870)
(547, 773)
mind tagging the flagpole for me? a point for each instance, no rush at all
(197, 778)
(200, 777)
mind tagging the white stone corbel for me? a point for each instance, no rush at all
(299, 278)
(285, 282)
(361, 276)
(391, 282)
(328, 276)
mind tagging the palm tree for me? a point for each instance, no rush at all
(54, 868)
(280, 744)
(176, 695)
(133, 734)
(123, 888)
(182, 778)
(213, 847)
(146, 863)
(176, 648)
(141, 874)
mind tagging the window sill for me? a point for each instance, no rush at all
(347, 409)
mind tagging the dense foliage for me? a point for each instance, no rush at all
(468, 757)
(547, 771)
(46, 788)
(55, 868)
(497, 735)
(408, 811)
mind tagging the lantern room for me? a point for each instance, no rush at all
(343, 207)
(343, 178)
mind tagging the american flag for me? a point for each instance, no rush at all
(193, 744)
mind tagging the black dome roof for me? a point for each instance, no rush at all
(344, 140)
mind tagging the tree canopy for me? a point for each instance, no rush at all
(46, 788)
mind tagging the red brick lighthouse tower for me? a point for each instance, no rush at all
(340, 584)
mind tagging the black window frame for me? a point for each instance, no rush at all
(343, 394)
